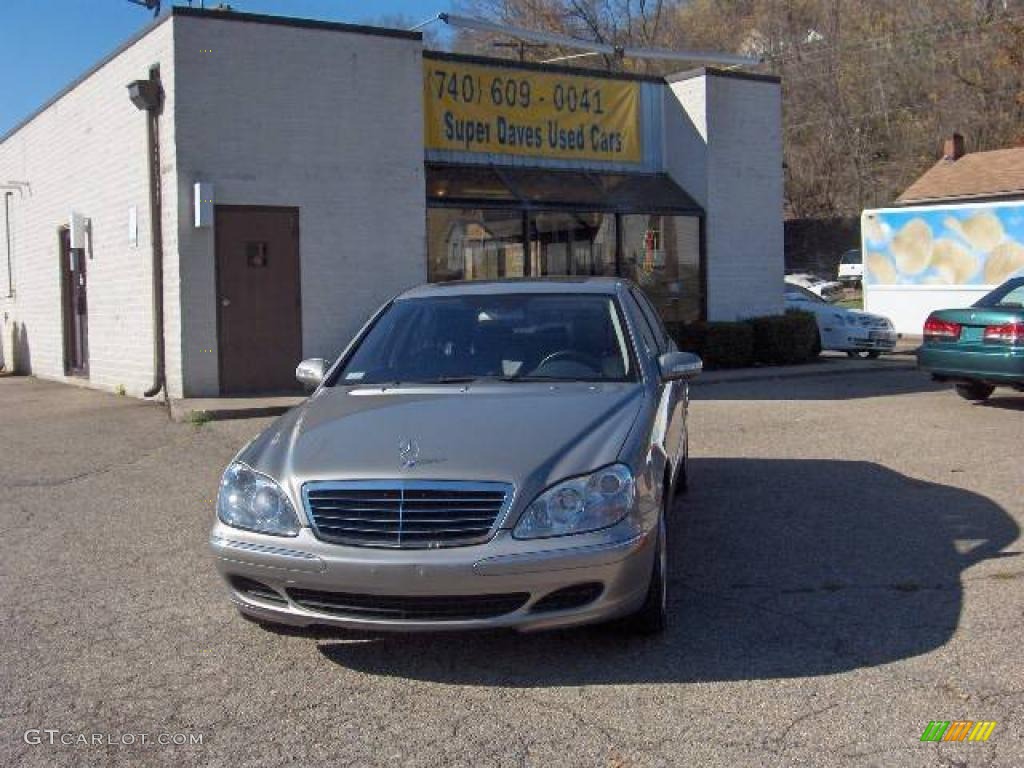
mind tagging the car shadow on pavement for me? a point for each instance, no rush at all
(780, 569)
(845, 386)
(1005, 400)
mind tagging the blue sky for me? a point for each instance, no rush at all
(45, 44)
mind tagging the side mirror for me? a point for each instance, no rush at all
(679, 366)
(311, 372)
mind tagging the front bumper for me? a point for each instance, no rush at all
(619, 559)
(868, 339)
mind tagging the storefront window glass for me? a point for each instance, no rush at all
(474, 244)
(662, 255)
(569, 243)
(660, 252)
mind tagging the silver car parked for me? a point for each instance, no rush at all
(483, 454)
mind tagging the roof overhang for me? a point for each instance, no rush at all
(499, 186)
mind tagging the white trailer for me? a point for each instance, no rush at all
(921, 258)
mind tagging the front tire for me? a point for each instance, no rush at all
(652, 618)
(975, 391)
(816, 347)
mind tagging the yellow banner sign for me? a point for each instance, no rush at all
(511, 111)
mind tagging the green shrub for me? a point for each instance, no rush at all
(786, 339)
(729, 345)
(720, 345)
(771, 340)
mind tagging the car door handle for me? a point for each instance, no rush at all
(225, 302)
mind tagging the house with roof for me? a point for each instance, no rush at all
(968, 177)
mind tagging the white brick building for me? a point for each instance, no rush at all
(328, 197)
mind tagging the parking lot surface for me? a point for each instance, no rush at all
(845, 568)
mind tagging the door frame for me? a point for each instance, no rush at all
(66, 311)
(217, 208)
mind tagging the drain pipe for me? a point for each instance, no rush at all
(148, 95)
(7, 229)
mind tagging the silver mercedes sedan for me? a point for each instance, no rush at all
(481, 455)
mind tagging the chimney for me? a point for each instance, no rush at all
(953, 149)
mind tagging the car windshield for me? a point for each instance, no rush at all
(851, 257)
(513, 337)
(798, 293)
(1009, 295)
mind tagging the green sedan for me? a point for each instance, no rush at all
(980, 347)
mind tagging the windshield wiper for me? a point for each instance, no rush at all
(542, 378)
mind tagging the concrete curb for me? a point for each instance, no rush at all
(218, 409)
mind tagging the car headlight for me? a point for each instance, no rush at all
(250, 500)
(579, 504)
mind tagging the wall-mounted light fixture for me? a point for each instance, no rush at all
(202, 201)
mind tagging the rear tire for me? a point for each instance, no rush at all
(975, 391)
(652, 618)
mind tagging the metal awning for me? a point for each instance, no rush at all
(494, 186)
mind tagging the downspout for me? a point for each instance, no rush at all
(7, 230)
(148, 95)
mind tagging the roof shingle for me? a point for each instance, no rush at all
(999, 173)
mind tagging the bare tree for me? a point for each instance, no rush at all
(869, 86)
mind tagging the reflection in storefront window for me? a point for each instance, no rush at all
(662, 255)
(571, 243)
(474, 244)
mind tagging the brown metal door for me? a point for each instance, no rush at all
(259, 307)
(75, 309)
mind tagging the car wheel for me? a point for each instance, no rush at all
(816, 347)
(652, 618)
(975, 391)
(874, 354)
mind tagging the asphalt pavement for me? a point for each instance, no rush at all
(845, 568)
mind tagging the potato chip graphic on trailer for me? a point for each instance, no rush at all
(880, 268)
(952, 262)
(876, 231)
(983, 231)
(1003, 262)
(912, 247)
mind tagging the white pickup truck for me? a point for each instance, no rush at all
(851, 268)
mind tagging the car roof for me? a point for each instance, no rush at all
(540, 285)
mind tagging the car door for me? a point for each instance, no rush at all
(673, 395)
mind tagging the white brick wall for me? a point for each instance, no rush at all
(329, 122)
(723, 144)
(326, 121)
(87, 152)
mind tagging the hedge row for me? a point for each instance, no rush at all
(786, 339)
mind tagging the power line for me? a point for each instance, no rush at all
(943, 29)
(854, 116)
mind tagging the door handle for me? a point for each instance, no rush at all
(225, 302)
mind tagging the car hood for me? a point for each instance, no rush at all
(528, 434)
